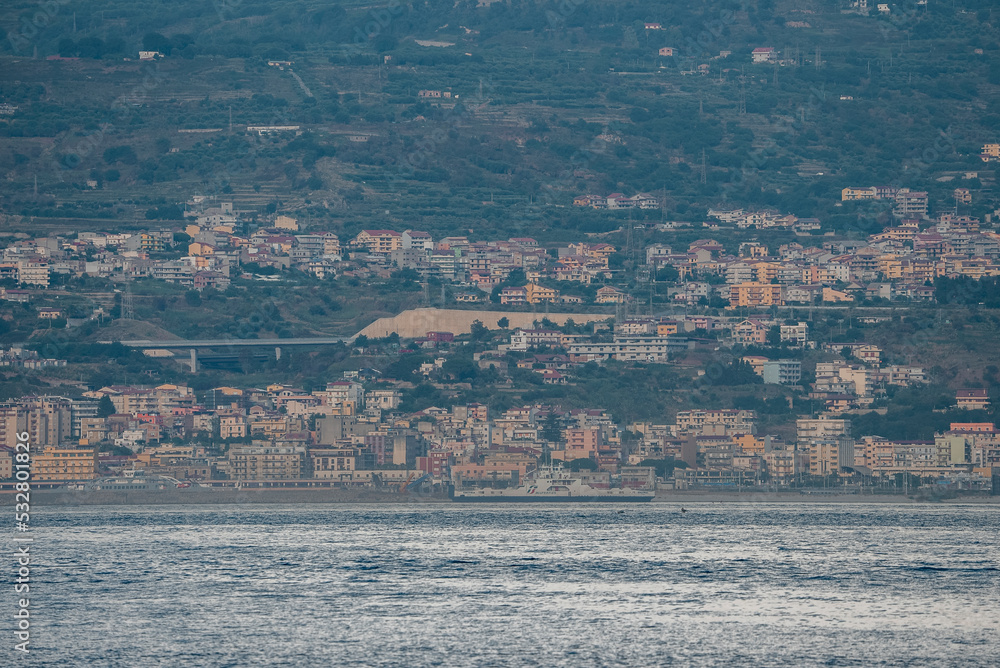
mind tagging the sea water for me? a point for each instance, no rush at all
(560, 585)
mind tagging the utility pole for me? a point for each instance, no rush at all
(743, 93)
(128, 307)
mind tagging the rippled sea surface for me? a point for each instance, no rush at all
(566, 585)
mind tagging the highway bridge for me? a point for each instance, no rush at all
(194, 345)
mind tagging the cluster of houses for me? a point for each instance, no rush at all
(854, 382)
(721, 447)
(616, 201)
(899, 262)
(22, 358)
(347, 434)
(766, 219)
(911, 204)
(486, 265)
(214, 252)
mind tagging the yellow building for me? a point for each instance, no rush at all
(611, 295)
(666, 328)
(270, 425)
(854, 194)
(149, 242)
(199, 248)
(6, 464)
(65, 464)
(232, 426)
(768, 271)
(890, 266)
(991, 152)
(286, 223)
(379, 241)
(755, 294)
(536, 294)
(831, 295)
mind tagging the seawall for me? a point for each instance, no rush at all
(226, 496)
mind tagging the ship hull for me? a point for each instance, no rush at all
(552, 499)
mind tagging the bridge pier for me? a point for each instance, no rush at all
(194, 361)
(277, 353)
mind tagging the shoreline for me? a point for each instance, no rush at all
(334, 495)
(670, 496)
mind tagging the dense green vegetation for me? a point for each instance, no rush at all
(537, 84)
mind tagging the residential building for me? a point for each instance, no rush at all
(753, 294)
(910, 204)
(380, 242)
(808, 429)
(58, 463)
(33, 271)
(782, 372)
(611, 295)
(266, 462)
(514, 295)
(795, 335)
(524, 339)
(972, 398)
(536, 294)
(750, 333)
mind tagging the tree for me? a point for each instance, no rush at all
(774, 336)
(479, 331)
(516, 277)
(736, 373)
(668, 273)
(154, 41)
(551, 429)
(193, 298)
(67, 48)
(585, 464)
(125, 154)
(664, 467)
(105, 407)
(503, 323)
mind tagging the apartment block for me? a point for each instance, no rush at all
(266, 462)
(64, 464)
(753, 294)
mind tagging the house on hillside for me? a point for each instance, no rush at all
(972, 398)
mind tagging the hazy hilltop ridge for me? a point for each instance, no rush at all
(492, 115)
